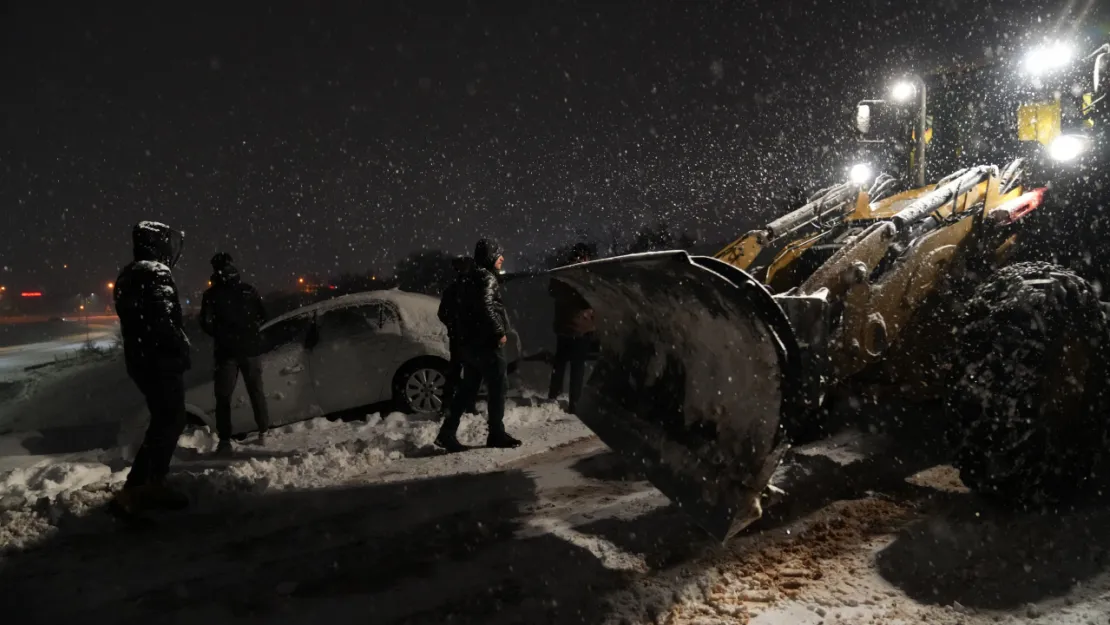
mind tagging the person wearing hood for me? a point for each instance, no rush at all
(448, 314)
(231, 312)
(481, 327)
(156, 353)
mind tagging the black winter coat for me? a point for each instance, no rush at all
(474, 312)
(147, 303)
(231, 312)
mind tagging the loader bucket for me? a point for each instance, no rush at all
(694, 372)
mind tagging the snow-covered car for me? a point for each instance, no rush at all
(343, 353)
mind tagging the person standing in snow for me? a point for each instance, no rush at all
(156, 352)
(231, 312)
(448, 314)
(574, 330)
(482, 327)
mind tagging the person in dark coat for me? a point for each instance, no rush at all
(448, 313)
(481, 330)
(156, 352)
(231, 312)
(574, 331)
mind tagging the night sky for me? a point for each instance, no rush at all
(342, 137)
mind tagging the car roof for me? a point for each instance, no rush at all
(418, 311)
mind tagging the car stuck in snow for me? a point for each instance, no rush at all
(343, 353)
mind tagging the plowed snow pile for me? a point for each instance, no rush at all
(306, 455)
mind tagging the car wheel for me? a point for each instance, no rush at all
(419, 387)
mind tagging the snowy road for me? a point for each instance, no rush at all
(364, 522)
(15, 359)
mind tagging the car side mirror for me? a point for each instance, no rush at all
(312, 337)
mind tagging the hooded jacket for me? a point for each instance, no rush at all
(231, 312)
(473, 307)
(148, 307)
(449, 304)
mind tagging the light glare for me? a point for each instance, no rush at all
(860, 173)
(1049, 57)
(903, 91)
(1067, 147)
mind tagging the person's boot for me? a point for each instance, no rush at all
(126, 501)
(159, 496)
(223, 450)
(501, 440)
(449, 443)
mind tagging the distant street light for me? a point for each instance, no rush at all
(111, 285)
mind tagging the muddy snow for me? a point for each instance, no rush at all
(363, 519)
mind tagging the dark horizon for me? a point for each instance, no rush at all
(323, 140)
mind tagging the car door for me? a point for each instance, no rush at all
(350, 361)
(286, 377)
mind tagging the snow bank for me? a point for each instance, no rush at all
(50, 480)
(321, 452)
(310, 454)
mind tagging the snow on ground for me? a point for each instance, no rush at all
(310, 454)
(74, 392)
(334, 520)
(24, 345)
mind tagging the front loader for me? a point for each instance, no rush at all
(710, 368)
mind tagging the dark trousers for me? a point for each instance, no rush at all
(227, 375)
(165, 397)
(572, 351)
(451, 384)
(488, 365)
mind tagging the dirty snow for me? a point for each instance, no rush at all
(309, 454)
(559, 530)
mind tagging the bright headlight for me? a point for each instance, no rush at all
(903, 91)
(1067, 147)
(860, 173)
(1046, 58)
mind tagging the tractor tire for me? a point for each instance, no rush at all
(1026, 402)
